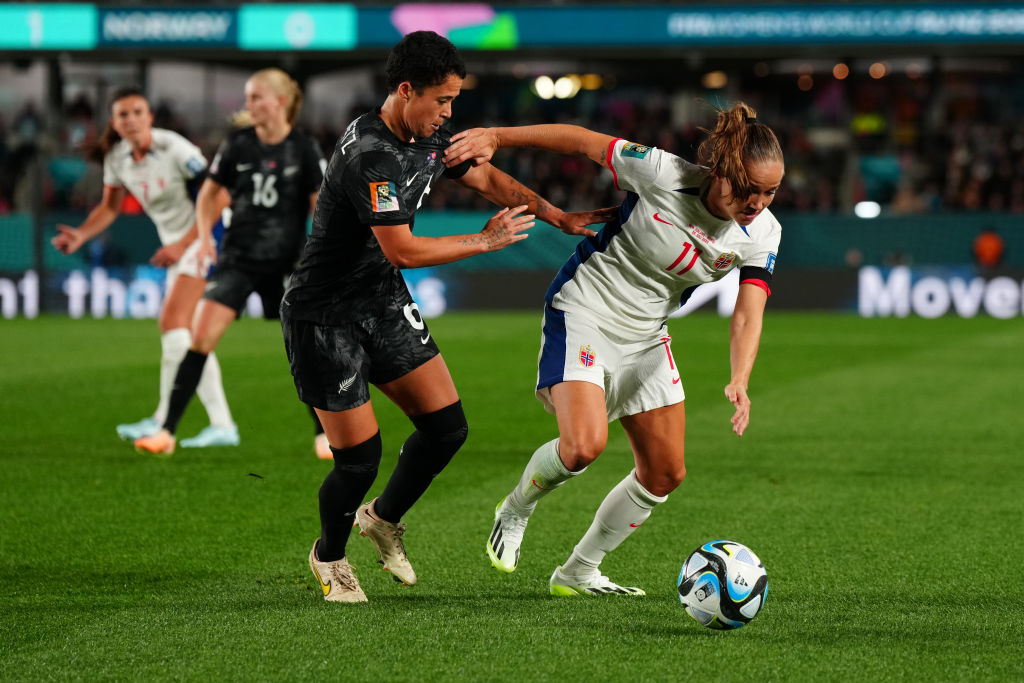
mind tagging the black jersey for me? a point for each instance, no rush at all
(373, 179)
(269, 187)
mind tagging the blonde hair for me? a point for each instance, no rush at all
(283, 86)
(738, 137)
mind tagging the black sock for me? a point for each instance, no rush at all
(318, 428)
(185, 383)
(342, 492)
(425, 453)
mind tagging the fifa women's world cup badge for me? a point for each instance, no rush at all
(383, 197)
(587, 356)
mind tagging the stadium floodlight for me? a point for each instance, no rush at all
(564, 88)
(867, 209)
(544, 87)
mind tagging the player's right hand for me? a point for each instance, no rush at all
(505, 227)
(207, 254)
(478, 144)
(67, 240)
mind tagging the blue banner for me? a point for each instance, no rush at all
(162, 27)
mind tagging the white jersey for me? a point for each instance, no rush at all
(665, 243)
(158, 180)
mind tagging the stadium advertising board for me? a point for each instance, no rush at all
(206, 27)
(927, 292)
(47, 27)
(934, 292)
(297, 27)
(480, 26)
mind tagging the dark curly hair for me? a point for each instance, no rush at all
(424, 59)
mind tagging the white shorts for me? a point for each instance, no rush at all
(637, 375)
(188, 264)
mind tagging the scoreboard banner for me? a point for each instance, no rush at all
(330, 27)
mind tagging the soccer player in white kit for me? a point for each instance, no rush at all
(157, 167)
(605, 348)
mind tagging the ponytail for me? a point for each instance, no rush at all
(108, 138)
(738, 137)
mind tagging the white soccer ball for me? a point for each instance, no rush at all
(723, 585)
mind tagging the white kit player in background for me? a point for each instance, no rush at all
(158, 167)
(605, 351)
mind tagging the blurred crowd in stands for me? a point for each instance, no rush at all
(938, 142)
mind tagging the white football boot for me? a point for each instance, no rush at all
(595, 584)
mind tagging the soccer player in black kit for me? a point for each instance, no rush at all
(349, 320)
(273, 173)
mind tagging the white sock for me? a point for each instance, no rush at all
(543, 474)
(173, 347)
(211, 393)
(625, 508)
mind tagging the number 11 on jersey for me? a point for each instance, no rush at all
(686, 250)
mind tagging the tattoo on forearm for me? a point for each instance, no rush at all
(489, 241)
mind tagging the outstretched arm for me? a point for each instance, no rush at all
(479, 144)
(406, 250)
(68, 240)
(504, 190)
(744, 338)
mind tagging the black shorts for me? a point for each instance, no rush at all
(231, 286)
(333, 366)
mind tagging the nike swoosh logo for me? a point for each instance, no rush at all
(675, 380)
(424, 340)
(660, 220)
(290, 170)
(409, 181)
(243, 167)
(635, 525)
(344, 386)
(326, 587)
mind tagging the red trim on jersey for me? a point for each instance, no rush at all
(611, 150)
(757, 283)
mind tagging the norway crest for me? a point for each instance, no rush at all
(587, 356)
(725, 260)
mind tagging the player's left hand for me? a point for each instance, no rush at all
(168, 255)
(737, 395)
(478, 144)
(576, 223)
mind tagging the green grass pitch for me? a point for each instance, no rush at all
(880, 482)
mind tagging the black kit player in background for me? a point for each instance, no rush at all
(273, 173)
(349, 320)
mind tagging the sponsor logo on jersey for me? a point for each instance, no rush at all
(587, 356)
(770, 266)
(724, 260)
(432, 158)
(383, 197)
(632, 149)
